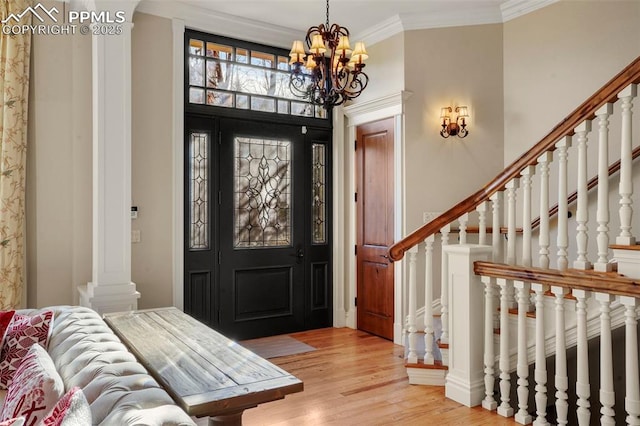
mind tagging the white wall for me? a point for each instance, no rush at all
(152, 159)
(556, 57)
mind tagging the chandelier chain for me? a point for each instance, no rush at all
(327, 15)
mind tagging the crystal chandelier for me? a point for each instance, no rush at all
(328, 81)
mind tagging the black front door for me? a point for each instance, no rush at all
(270, 256)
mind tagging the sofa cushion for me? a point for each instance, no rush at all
(22, 333)
(71, 410)
(35, 389)
(18, 421)
(5, 320)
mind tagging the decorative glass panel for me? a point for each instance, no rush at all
(218, 74)
(318, 220)
(261, 59)
(283, 63)
(219, 51)
(262, 202)
(283, 107)
(196, 96)
(196, 47)
(242, 56)
(299, 108)
(196, 71)
(242, 102)
(218, 98)
(199, 191)
(263, 104)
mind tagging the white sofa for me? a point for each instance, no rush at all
(119, 390)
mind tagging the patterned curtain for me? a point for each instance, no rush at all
(14, 82)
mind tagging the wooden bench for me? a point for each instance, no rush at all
(205, 373)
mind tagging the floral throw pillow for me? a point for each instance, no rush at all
(35, 389)
(72, 410)
(18, 421)
(22, 333)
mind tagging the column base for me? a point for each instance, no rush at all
(109, 298)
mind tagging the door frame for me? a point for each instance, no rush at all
(344, 121)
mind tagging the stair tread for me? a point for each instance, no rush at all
(420, 364)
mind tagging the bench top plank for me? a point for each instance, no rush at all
(205, 372)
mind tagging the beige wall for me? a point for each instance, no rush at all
(59, 169)
(385, 68)
(152, 153)
(556, 57)
(451, 67)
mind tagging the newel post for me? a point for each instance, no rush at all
(465, 379)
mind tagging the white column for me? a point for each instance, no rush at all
(626, 166)
(465, 378)
(489, 402)
(512, 187)
(632, 386)
(561, 379)
(583, 390)
(527, 176)
(504, 409)
(522, 416)
(563, 207)
(428, 299)
(496, 236)
(111, 288)
(543, 234)
(412, 357)
(607, 395)
(602, 216)
(541, 362)
(462, 236)
(444, 294)
(582, 212)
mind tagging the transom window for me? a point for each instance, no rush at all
(225, 74)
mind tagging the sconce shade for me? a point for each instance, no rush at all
(444, 112)
(462, 112)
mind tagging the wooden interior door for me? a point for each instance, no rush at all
(375, 206)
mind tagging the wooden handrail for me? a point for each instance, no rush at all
(586, 111)
(593, 182)
(589, 280)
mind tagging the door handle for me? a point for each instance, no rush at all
(300, 254)
(385, 256)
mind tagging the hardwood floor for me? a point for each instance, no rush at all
(354, 378)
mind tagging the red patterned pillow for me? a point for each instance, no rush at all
(5, 320)
(35, 389)
(22, 333)
(72, 409)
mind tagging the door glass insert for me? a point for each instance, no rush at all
(199, 191)
(262, 184)
(318, 208)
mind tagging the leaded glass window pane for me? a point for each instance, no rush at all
(219, 51)
(196, 96)
(196, 47)
(242, 56)
(199, 191)
(218, 98)
(261, 59)
(196, 71)
(262, 184)
(318, 208)
(263, 104)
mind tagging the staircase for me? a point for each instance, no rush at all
(513, 295)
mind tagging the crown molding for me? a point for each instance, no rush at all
(381, 31)
(515, 8)
(219, 23)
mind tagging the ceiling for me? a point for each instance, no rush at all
(277, 22)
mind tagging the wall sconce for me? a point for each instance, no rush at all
(457, 127)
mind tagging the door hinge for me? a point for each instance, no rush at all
(355, 144)
(356, 197)
(355, 301)
(355, 251)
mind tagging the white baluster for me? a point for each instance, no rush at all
(522, 416)
(602, 215)
(463, 221)
(428, 300)
(489, 403)
(496, 235)
(543, 234)
(412, 357)
(512, 186)
(444, 288)
(632, 387)
(541, 362)
(527, 176)
(583, 391)
(582, 212)
(563, 207)
(561, 379)
(607, 395)
(482, 223)
(505, 379)
(626, 167)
